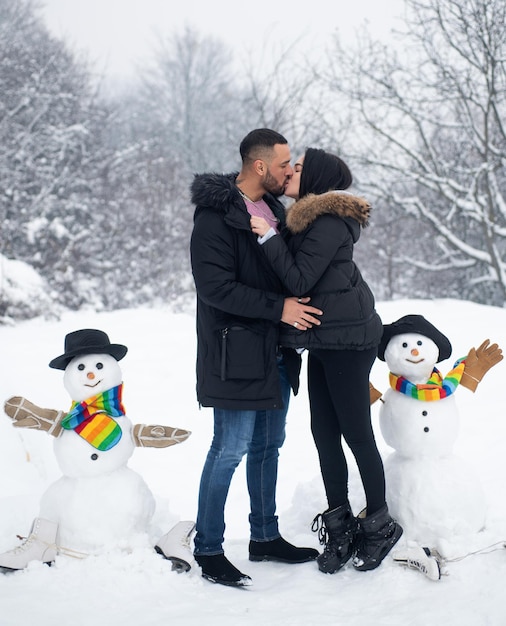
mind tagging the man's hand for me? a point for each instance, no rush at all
(297, 313)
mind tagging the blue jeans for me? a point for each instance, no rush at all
(259, 434)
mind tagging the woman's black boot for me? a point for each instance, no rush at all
(336, 531)
(377, 535)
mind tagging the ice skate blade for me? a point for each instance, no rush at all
(11, 570)
(178, 565)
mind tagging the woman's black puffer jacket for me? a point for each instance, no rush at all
(318, 262)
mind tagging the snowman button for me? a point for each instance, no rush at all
(94, 456)
(426, 429)
(424, 413)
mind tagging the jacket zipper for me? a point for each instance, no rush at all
(223, 365)
(224, 333)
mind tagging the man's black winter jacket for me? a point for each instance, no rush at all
(239, 301)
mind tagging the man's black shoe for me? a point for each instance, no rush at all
(281, 551)
(218, 569)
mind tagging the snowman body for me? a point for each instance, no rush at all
(99, 502)
(434, 494)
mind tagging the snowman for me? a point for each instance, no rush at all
(435, 495)
(99, 502)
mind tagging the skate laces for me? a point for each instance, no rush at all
(28, 541)
(419, 564)
(431, 563)
(75, 554)
(486, 550)
(425, 560)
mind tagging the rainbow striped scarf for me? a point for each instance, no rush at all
(436, 387)
(92, 418)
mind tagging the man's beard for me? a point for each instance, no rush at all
(272, 186)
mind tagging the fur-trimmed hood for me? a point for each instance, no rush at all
(343, 204)
(218, 192)
(215, 191)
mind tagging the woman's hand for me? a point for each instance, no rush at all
(259, 226)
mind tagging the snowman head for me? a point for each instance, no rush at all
(90, 374)
(412, 346)
(412, 355)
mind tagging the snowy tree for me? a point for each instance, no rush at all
(192, 100)
(430, 127)
(175, 122)
(48, 157)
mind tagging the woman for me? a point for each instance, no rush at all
(317, 261)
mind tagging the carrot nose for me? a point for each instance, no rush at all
(415, 352)
(90, 375)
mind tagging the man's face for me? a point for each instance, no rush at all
(278, 170)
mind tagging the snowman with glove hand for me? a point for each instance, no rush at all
(435, 495)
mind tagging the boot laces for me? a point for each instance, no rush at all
(331, 540)
(318, 526)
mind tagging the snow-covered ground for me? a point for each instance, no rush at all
(138, 587)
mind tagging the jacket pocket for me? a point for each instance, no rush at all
(241, 353)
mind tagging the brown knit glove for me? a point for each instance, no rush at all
(478, 362)
(374, 394)
(156, 436)
(25, 414)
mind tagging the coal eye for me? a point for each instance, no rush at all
(419, 342)
(404, 345)
(80, 367)
(99, 365)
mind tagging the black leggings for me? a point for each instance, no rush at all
(338, 385)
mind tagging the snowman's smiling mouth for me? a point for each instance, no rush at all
(415, 362)
(97, 383)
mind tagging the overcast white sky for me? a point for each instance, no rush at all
(119, 33)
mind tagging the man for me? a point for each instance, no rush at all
(241, 372)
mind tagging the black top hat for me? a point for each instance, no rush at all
(415, 324)
(87, 341)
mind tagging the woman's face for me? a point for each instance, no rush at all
(292, 189)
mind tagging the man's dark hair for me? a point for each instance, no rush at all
(322, 172)
(258, 141)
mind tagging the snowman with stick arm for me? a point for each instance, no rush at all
(435, 495)
(99, 502)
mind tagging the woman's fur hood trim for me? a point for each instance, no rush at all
(341, 203)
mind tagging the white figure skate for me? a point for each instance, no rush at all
(422, 559)
(40, 545)
(175, 546)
